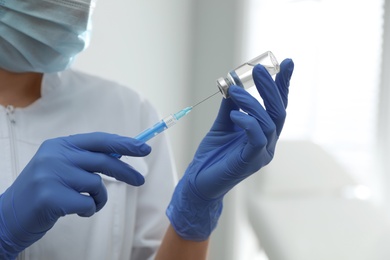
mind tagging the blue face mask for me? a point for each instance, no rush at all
(43, 35)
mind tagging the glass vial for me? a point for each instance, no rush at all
(242, 75)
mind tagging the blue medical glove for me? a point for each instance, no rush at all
(59, 180)
(237, 145)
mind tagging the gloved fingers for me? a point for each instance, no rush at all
(74, 203)
(109, 144)
(107, 165)
(223, 121)
(257, 139)
(252, 106)
(270, 94)
(282, 79)
(86, 182)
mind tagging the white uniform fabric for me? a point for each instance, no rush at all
(133, 222)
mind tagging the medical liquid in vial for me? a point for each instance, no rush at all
(242, 75)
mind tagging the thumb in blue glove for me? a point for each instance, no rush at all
(55, 181)
(237, 145)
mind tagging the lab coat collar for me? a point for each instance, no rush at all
(50, 82)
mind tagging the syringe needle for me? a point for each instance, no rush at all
(206, 99)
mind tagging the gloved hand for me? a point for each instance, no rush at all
(237, 145)
(52, 183)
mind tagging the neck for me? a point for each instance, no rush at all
(19, 89)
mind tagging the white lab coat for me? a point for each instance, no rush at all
(132, 223)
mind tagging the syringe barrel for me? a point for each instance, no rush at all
(159, 127)
(152, 131)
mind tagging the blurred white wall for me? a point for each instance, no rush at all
(333, 103)
(334, 93)
(383, 133)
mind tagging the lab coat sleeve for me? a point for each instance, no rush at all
(155, 194)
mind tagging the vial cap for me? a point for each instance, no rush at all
(223, 86)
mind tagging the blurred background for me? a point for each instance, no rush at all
(325, 195)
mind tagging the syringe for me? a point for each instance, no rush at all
(162, 125)
(167, 122)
